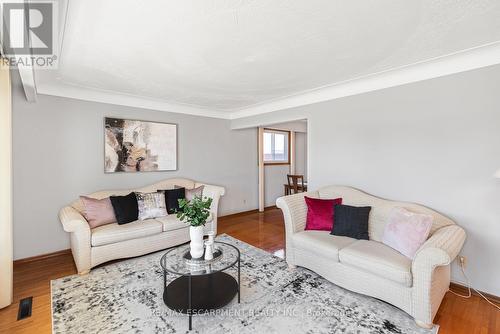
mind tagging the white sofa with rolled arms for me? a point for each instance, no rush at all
(91, 247)
(368, 266)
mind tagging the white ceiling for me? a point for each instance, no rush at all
(222, 57)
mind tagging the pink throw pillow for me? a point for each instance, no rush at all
(406, 231)
(320, 213)
(192, 193)
(98, 212)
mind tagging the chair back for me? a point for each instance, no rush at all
(295, 183)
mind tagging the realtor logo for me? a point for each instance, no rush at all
(29, 33)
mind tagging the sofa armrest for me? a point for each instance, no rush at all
(72, 220)
(441, 248)
(80, 237)
(294, 211)
(211, 190)
(215, 193)
(431, 271)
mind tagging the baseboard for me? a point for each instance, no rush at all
(463, 290)
(238, 214)
(42, 256)
(245, 213)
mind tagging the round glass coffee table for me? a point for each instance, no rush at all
(200, 285)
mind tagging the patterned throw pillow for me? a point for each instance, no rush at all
(151, 205)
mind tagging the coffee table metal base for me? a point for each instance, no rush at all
(198, 294)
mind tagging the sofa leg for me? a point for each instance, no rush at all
(424, 324)
(85, 272)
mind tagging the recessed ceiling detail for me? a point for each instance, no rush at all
(236, 58)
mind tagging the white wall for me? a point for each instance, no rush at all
(59, 152)
(297, 126)
(274, 179)
(301, 154)
(435, 142)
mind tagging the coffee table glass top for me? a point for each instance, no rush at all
(177, 260)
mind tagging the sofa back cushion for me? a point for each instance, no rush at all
(381, 209)
(168, 184)
(164, 184)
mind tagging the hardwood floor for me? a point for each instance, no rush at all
(264, 230)
(33, 279)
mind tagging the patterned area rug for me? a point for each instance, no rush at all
(126, 297)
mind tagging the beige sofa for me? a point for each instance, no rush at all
(91, 247)
(368, 266)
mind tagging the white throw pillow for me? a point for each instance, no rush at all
(406, 231)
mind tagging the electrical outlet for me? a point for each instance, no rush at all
(463, 261)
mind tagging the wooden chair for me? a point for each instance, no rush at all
(295, 184)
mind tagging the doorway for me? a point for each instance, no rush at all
(282, 151)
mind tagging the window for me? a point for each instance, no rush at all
(276, 144)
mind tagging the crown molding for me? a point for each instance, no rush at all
(57, 88)
(470, 59)
(26, 71)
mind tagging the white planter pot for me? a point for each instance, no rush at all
(196, 235)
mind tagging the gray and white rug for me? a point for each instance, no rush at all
(126, 297)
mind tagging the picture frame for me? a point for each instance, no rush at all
(132, 146)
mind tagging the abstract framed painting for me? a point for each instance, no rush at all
(139, 146)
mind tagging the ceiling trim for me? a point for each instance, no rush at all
(27, 75)
(57, 88)
(473, 58)
(26, 70)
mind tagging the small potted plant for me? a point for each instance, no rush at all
(195, 213)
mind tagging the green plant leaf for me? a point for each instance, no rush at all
(196, 211)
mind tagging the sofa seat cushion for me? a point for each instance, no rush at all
(171, 222)
(321, 243)
(112, 233)
(378, 259)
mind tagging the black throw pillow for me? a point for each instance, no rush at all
(351, 221)
(125, 208)
(172, 197)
